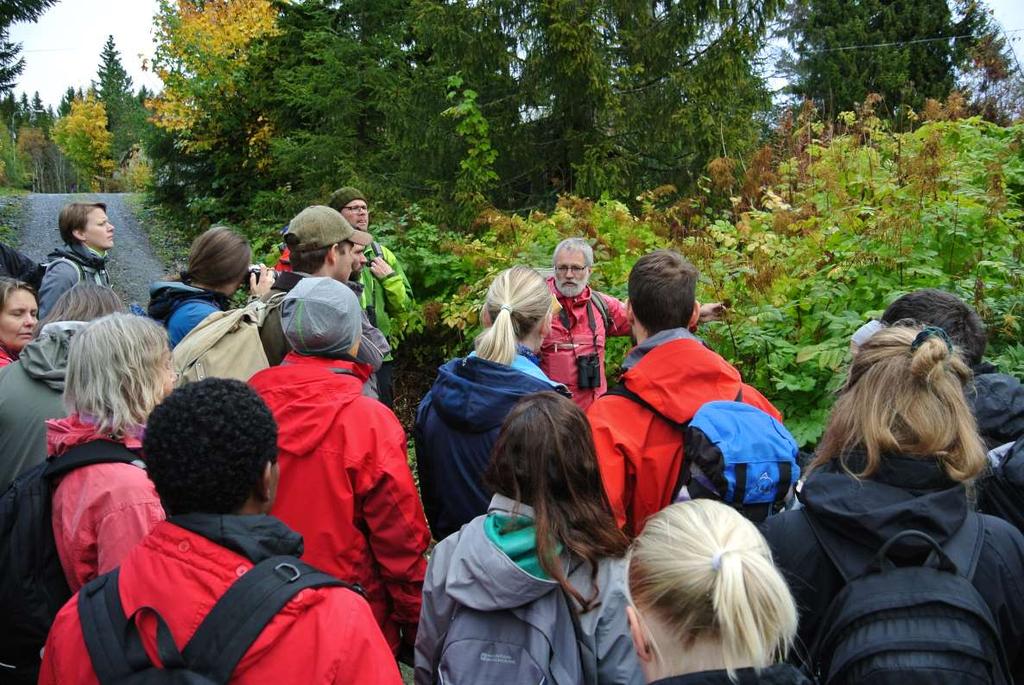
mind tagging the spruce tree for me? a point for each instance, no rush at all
(113, 88)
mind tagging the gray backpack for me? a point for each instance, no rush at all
(527, 645)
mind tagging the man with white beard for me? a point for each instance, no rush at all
(573, 352)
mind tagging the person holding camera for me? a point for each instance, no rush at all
(573, 352)
(219, 263)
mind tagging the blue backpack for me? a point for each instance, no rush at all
(739, 455)
(732, 452)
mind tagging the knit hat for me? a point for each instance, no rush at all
(321, 318)
(342, 196)
(319, 226)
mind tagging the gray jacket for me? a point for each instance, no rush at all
(68, 266)
(467, 568)
(31, 392)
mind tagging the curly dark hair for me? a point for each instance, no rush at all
(932, 307)
(207, 446)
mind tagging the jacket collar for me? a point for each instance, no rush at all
(82, 255)
(255, 537)
(360, 371)
(659, 338)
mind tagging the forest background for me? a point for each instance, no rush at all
(484, 132)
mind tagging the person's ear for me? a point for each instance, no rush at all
(630, 317)
(78, 234)
(545, 325)
(267, 491)
(694, 316)
(485, 318)
(636, 632)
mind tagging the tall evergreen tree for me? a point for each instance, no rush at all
(905, 50)
(113, 88)
(64, 108)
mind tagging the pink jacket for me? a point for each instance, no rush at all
(100, 512)
(559, 350)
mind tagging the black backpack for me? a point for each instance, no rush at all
(222, 639)
(909, 625)
(32, 583)
(15, 264)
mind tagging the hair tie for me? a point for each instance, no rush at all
(931, 332)
(716, 561)
(506, 308)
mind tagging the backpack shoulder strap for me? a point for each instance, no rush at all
(87, 454)
(622, 390)
(76, 265)
(241, 614)
(602, 307)
(112, 639)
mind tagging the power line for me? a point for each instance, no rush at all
(903, 42)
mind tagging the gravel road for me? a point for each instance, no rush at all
(132, 265)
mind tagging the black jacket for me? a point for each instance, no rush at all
(998, 404)
(904, 493)
(779, 674)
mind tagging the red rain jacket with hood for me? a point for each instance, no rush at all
(346, 486)
(640, 454)
(323, 635)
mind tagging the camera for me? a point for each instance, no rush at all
(254, 269)
(588, 368)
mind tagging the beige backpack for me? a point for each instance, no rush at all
(226, 344)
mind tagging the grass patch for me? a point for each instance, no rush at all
(164, 234)
(10, 213)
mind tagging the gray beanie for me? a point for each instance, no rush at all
(321, 318)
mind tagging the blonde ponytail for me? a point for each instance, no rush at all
(705, 572)
(905, 395)
(517, 302)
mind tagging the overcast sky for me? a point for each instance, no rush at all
(63, 48)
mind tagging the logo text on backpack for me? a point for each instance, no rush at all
(496, 658)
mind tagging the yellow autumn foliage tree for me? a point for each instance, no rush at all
(203, 47)
(83, 137)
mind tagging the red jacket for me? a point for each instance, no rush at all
(7, 357)
(323, 635)
(100, 512)
(563, 344)
(639, 454)
(346, 485)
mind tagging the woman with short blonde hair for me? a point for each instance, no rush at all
(706, 600)
(119, 369)
(900, 451)
(458, 421)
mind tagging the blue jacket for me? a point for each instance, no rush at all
(457, 424)
(180, 307)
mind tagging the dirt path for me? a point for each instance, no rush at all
(132, 264)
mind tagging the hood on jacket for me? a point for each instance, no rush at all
(997, 401)
(483, 576)
(256, 537)
(45, 359)
(166, 296)
(310, 393)
(74, 430)
(79, 254)
(474, 395)
(905, 493)
(676, 373)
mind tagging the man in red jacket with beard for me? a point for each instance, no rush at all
(345, 480)
(671, 373)
(211, 452)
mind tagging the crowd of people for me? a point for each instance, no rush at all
(663, 528)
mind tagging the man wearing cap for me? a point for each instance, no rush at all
(345, 482)
(386, 290)
(323, 243)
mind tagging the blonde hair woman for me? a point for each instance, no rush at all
(119, 369)
(707, 604)
(899, 453)
(459, 419)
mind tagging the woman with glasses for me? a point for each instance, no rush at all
(459, 419)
